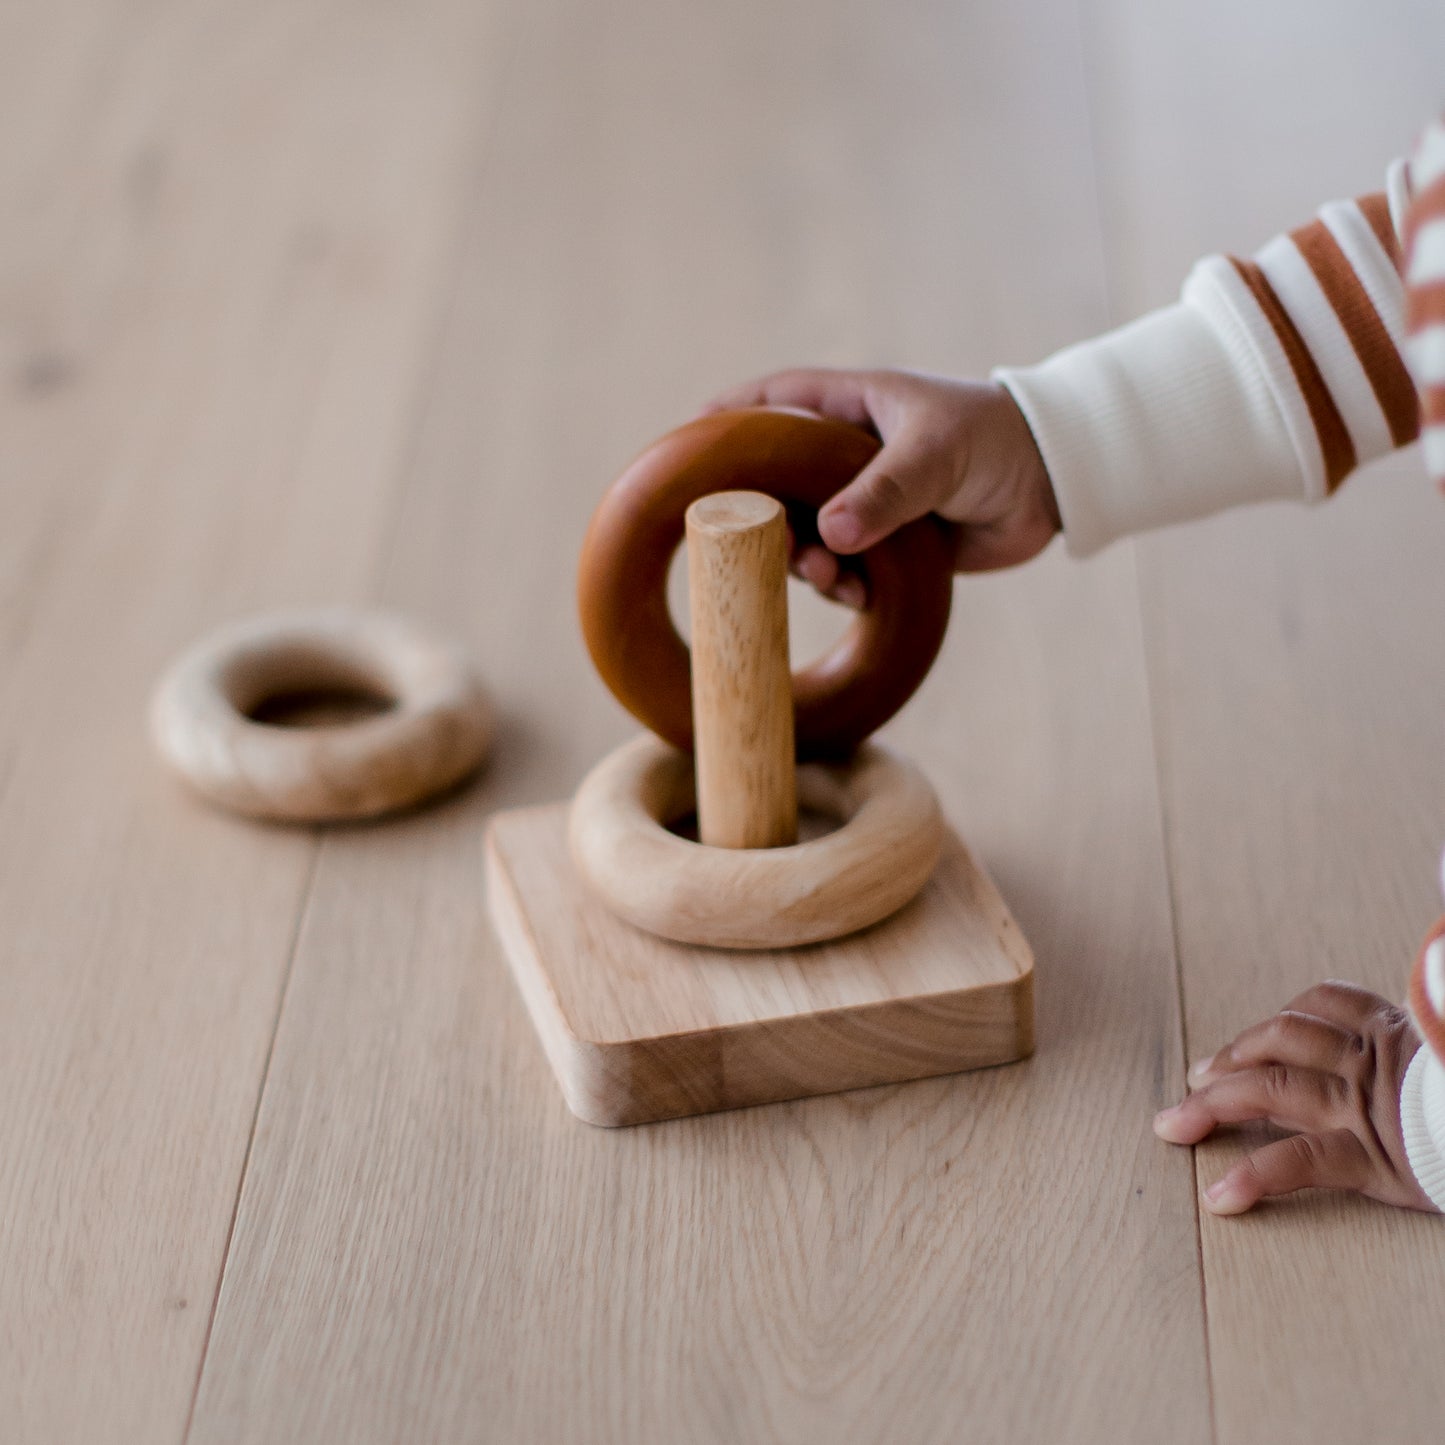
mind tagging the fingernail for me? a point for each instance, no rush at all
(841, 530)
(1164, 1123)
(851, 593)
(1223, 1198)
(1200, 1067)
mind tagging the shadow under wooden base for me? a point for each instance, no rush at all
(639, 1029)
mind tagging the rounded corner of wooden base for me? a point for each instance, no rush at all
(1021, 1001)
(596, 1078)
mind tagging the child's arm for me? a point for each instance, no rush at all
(1271, 378)
(1342, 1066)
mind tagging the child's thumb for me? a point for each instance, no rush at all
(904, 481)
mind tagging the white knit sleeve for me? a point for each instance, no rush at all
(1273, 377)
(1167, 419)
(1422, 1113)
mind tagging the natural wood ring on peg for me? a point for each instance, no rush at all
(880, 858)
(802, 460)
(434, 726)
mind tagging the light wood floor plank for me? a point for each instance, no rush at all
(229, 230)
(1295, 669)
(428, 1246)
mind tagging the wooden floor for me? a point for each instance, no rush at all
(311, 301)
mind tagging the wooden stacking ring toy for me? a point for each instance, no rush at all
(801, 460)
(433, 726)
(867, 869)
(667, 976)
(748, 883)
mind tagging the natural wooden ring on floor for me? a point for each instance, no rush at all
(867, 869)
(435, 728)
(802, 460)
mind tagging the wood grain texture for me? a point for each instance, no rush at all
(226, 233)
(428, 1246)
(1298, 695)
(638, 1029)
(742, 684)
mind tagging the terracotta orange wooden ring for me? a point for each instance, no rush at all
(802, 460)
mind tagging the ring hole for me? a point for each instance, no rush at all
(812, 825)
(816, 624)
(317, 707)
(823, 807)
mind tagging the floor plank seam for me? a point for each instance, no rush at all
(307, 890)
(447, 293)
(1083, 30)
(1164, 836)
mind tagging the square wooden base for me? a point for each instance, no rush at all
(639, 1029)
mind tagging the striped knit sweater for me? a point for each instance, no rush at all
(1422, 1102)
(1273, 377)
(1425, 290)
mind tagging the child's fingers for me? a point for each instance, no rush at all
(1291, 1098)
(1346, 1004)
(818, 567)
(1333, 1160)
(1292, 1038)
(837, 394)
(905, 480)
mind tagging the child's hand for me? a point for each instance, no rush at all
(960, 448)
(1329, 1066)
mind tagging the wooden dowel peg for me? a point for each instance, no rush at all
(742, 684)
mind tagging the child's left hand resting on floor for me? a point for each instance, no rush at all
(1330, 1067)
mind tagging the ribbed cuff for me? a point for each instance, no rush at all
(1422, 1104)
(1164, 420)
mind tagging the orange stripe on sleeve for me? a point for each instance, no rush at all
(1429, 1022)
(1334, 436)
(1389, 377)
(1376, 210)
(1428, 205)
(1425, 305)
